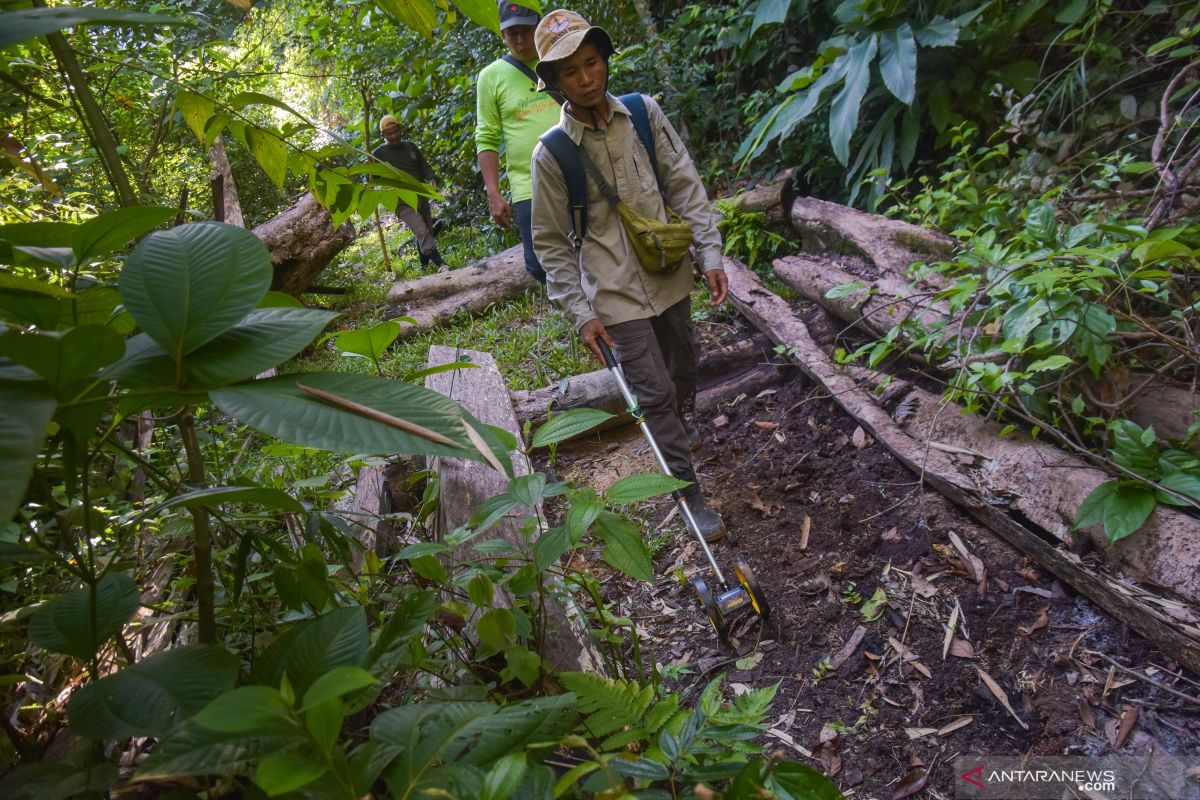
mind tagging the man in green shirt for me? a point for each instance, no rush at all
(407, 157)
(512, 113)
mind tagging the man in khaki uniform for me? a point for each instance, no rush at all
(407, 157)
(645, 316)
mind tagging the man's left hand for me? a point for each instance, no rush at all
(718, 286)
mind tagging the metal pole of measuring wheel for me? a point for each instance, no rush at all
(638, 417)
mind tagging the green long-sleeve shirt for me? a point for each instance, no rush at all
(510, 111)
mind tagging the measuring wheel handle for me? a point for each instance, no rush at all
(715, 617)
(745, 577)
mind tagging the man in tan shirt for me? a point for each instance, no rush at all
(601, 285)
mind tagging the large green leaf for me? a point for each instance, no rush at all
(46, 780)
(114, 229)
(769, 12)
(215, 496)
(270, 152)
(194, 750)
(25, 411)
(265, 338)
(281, 408)
(152, 696)
(484, 12)
(568, 424)
(287, 772)
(63, 358)
(77, 623)
(196, 110)
(247, 709)
(625, 549)
(634, 488)
(306, 652)
(188, 285)
(370, 342)
(843, 114)
(898, 62)
(29, 23)
(1127, 510)
(420, 15)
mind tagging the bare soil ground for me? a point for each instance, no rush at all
(900, 706)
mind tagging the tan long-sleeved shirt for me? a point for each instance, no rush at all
(611, 285)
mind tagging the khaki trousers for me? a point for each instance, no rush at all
(421, 225)
(660, 356)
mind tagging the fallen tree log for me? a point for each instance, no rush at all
(1169, 624)
(882, 304)
(465, 485)
(433, 299)
(772, 198)
(363, 508)
(302, 241)
(597, 389)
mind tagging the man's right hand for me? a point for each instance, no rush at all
(501, 209)
(592, 330)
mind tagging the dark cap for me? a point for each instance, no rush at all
(512, 14)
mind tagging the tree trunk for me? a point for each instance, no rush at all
(938, 443)
(231, 211)
(773, 198)
(465, 485)
(302, 241)
(364, 510)
(92, 117)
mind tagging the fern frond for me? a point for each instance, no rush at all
(610, 704)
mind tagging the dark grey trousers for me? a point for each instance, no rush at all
(660, 356)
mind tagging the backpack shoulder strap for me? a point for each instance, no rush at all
(566, 153)
(636, 104)
(512, 60)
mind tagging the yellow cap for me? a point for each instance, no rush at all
(387, 120)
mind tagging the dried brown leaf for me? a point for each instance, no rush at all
(1129, 716)
(949, 728)
(910, 784)
(961, 648)
(999, 694)
(805, 527)
(859, 438)
(1042, 620)
(766, 426)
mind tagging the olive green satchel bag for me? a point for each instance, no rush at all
(660, 246)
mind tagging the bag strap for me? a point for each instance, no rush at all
(605, 188)
(566, 153)
(636, 103)
(509, 58)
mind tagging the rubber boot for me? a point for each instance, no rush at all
(693, 433)
(436, 257)
(708, 521)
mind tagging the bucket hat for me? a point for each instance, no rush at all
(514, 14)
(560, 34)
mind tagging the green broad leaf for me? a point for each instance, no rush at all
(504, 776)
(282, 408)
(287, 772)
(243, 99)
(1182, 482)
(1041, 223)
(484, 12)
(417, 375)
(369, 342)
(11, 552)
(528, 490)
(493, 510)
(274, 299)
(480, 590)
(154, 695)
(335, 683)
(1131, 449)
(245, 709)
(264, 338)
(430, 569)
(194, 750)
(492, 547)
(898, 62)
(550, 546)
(23, 24)
(385, 174)
(79, 622)
(270, 152)
(635, 488)
(420, 15)
(1161, 250)
(940, 32)
(624, 549)
(215, 496)
(843, 113)
(1049, 363)
(844, 290)
(1127, 510)
(788, 780)
(1072, 12)
(46, 779)
(10, 282)
(196, 110)
(874, 607)
(63, 358)
(215, 126)
(304, 653)
(567, 425)
(638, 768)
(522, 664)
(580, 516)
(1091, 338)
(421, 549)
(497, 629)
(769, 12)
(188, 285)
(113, 230)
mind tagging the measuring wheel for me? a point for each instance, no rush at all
(710, 607)
(746, 578)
